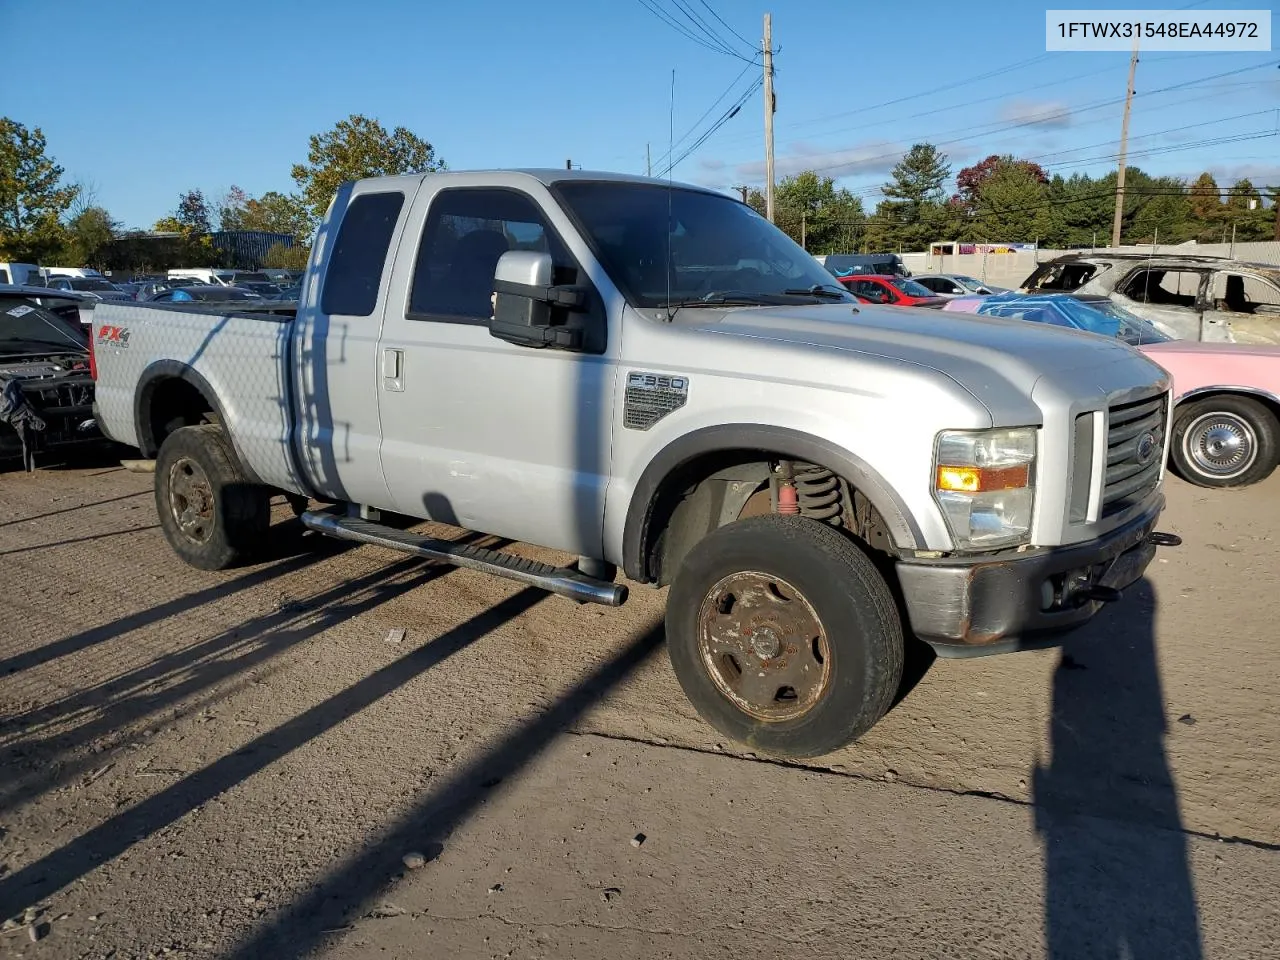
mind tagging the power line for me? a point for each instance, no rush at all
(688, 133)
(724, 118)
(652, 7)
(751, 46)
(700, 24)
(997, 127)
(699, 33)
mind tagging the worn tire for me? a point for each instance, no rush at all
(863, 654)
(1240, 420)
(213, 516)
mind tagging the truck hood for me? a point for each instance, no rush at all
(998, 361)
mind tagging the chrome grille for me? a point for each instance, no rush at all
(1135, 452)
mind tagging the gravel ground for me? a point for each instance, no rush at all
(244, 765)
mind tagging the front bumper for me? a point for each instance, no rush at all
(966, 607)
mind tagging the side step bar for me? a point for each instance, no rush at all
(560, 580)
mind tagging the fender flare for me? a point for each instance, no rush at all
(156, 374)
(780, 441)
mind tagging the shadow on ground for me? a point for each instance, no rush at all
(1117, 878)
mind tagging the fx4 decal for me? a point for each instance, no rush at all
(113, 336)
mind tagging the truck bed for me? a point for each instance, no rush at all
(242, 354)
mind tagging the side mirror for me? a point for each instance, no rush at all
(528, 307)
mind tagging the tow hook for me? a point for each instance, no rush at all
(1097, 592)
(1165, 539)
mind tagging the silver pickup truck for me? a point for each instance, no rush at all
(653, 377)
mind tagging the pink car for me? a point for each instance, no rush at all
(1226, 419)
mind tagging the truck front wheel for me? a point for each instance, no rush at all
(784, 636)
(211, 514)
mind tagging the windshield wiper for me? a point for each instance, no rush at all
(728, 299)
(819, 290)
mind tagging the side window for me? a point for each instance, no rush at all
(1171, 288)
(1242, 293)
(359, 254)
(466, 233)
(4, 276)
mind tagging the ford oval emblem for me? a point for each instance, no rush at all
(1146, 447)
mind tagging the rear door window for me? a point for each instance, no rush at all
(359, 254)
(466, 233)
(1163, 287)
(1244, 293)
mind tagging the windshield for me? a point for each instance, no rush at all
(27, 327)
(911, 288)
(1133, 329)
(716, 249)
(90, 283)
(252, 278)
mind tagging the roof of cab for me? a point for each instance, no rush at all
(546, 176)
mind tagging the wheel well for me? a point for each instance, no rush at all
(173, 403)
(1269, 403)
(715, 489)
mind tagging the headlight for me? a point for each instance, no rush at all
(984, 480)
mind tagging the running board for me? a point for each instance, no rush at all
(559, 580)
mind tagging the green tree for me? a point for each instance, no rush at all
(915, 197)
(193, 212)
(88, 233)
(1011, 206)
(281, 257)
(1246, 212)
(812, 210)
(31, 200)
(273, 212)
(1207, 209)
(358, 147)
(1273, 193)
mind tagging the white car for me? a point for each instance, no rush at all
(956, 285)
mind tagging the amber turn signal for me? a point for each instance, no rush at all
(983, 479)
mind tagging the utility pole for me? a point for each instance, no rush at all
(769, 107)
(742, 190)
(1124, 146)
(648, 162)
(568, 164)
(803, 232)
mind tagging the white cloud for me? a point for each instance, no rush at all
(870, 157)
(711, 163)
(1037, 113)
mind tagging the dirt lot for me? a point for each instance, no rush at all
(235, 764)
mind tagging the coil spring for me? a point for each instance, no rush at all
(818, 492)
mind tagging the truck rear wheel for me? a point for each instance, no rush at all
(784, 636)
(212, 515)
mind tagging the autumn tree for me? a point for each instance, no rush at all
(970, 180)
(32, 200)
(355, 148)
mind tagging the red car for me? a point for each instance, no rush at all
(898, 291)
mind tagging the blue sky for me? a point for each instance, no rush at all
(146, 98)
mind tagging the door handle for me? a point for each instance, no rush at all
(393, 369)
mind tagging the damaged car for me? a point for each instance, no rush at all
(1187, 297)
(46, 385)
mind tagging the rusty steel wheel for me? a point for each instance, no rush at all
(784, 636)
(191, 500)
(212, 515)
(763, 646)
